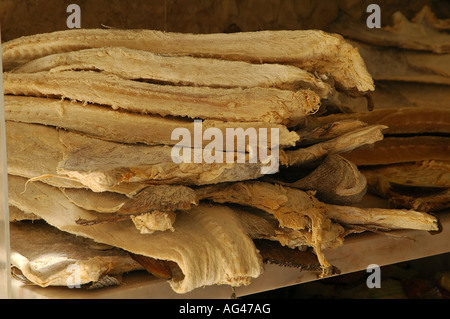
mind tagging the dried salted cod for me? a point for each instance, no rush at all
(236, 104)
(84, 160)
(392, 150)
(391, 94)
(316, 132)
(164, 198)
(34, 152)
(17, 215)
(420, 198)
(292, 208)
(402, 34)
(344, 143)
(142, 65)
(404, 65)
(312, 50)
(423, 186)
(126, 169)
(429, 173)
(298, 210)
(427, 17)
(401, 120)
(335, 181)
(119, 126)
(47, 256)
(390, 219)
(219, 250)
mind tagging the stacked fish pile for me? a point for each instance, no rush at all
(122, 138)
(410, 63)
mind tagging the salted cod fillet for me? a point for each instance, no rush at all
(299, 210)
(47, 256)
(119, 126)
(219, 249)
(35, 151)
(255, 104)
(142, 65)
(83, 159)
(312, 50)
(350, 141)
(428, 173)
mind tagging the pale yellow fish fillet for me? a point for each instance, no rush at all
(119, 126)
(248, 105)
(315, 130)
(312, 50)
(390, 219)
(347, 142)
(292, 208)
(143, 65)
(17, 215)
(47, 256)
(300, 210)
(34, 152)
(84, 160)
(219, 251)
(151, 198)
(125, 169)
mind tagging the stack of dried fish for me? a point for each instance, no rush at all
(409, 61)
(90, 117)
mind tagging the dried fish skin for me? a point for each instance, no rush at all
(249, 105)
(179, 70)
(312, 50)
